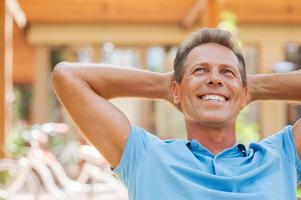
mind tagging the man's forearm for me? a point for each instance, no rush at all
(110, 82)
(280, 86)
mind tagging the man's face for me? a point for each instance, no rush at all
(211, 91)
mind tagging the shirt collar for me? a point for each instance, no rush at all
(237, 149)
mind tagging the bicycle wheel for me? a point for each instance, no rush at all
(14, 178)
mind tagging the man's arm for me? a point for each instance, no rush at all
(84, 90)
(286, 86)
(278, 86)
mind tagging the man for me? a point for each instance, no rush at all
(210, 87)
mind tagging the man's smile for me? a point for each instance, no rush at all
(216, 98)
(213, 98)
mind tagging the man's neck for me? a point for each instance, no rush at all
(215, 139)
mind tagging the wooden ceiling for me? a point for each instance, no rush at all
(265, 11)
(155, 11)
(106, 11)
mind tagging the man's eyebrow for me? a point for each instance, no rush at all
(205, 64)
(228, 66)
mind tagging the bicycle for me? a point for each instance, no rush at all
(42, 162)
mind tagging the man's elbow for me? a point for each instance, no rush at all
(60, 67)
(59, 73)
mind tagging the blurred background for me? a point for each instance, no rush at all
(37, 34)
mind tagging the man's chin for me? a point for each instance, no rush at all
(214, 121)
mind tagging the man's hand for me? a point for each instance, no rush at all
(284, 86)
(170, 78)
(250, 83)
(278, 86)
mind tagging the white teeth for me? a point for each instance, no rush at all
(215, 98)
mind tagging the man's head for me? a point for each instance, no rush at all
(204, 36)
(210, 78)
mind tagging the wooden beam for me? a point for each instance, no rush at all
(41, 109)
(126, 34)
(265, 11)
(105, 11)
(2, 78)
(16, 12)
(6, 94)
(212, 13)
(23, 58)
(146, 107)
(194, 13)
(156, 11)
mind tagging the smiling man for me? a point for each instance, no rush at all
(209, 85)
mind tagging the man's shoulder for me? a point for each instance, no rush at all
(173, 141)
(149, 136)
(282, 142)
(278, 137)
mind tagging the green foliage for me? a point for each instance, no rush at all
(21, 105)
(228, 22)
(4, 175)
(16, 145)
(246, 130)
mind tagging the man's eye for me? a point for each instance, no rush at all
(228, 72)
(199, 70)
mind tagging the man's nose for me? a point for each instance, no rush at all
(214, 78)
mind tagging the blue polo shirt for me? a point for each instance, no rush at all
(155, 169)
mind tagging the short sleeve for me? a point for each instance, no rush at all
(283, 141)
(138, 144)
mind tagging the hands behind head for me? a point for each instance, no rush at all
(169, 95)
(250, 84)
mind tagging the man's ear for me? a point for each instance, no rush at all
(176, 92)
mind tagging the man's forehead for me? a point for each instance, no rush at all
(212, 53)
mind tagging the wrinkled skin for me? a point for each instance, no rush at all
(211, 69)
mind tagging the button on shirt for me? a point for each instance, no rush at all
(155, 169)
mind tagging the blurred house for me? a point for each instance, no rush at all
(145, 34)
